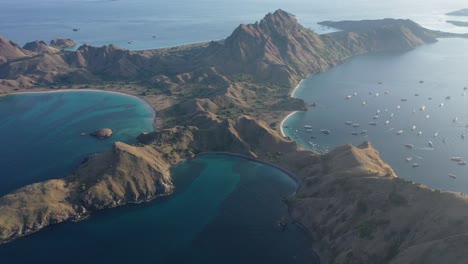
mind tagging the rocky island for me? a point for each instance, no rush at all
(230, 96)
(102, 133)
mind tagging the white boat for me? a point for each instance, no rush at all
(356, 125)
(441, 105)
(364, 103)
(355, 94)
(391, 115)
(452, 176)
(375, 117)
(348, 123)
(377, 94)
(387, 122)
(399, 132)
(413, 128)
(419, 133)
(430, 144)
(457, 159)
(348, 97)
(309, 130)
(462, 163)
(436, 134)
(307, 126)
(427, 117)
(378, 111)
(325, 131)
(415, 165)
(408, 159)
(455, 120)
(410, 146)
(311, 143)
(398, 107)
(422, 108)
(363, 132)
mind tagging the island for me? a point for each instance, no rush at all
(230, 96)
(461, 12)
(102, 133)
(458, 23)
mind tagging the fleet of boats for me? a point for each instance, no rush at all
(459, 160)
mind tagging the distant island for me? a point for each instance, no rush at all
(458, 23)
(230, 96)
(461, 12)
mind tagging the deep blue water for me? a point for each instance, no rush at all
(225, 209)
(179, 22)
(441, 67)
(40, 134)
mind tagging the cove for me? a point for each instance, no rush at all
(422, 88)
(40, 133)
(225, 210)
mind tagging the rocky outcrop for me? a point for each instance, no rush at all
(62, 43)
(124, 175)
(39, 46)
(102, 133)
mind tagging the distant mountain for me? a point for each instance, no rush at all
(462, 12)
(381, 35)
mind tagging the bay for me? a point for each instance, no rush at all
(425, 77)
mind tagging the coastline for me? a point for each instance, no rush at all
(146, 103)
(293, 95)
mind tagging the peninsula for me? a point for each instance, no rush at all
(230, 96)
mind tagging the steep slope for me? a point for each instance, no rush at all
(277, 49)
(122, 176)
(381, 35)
(362, 213)
(10, 50)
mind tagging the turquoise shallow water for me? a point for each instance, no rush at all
(441, 67)
(225, 209)
(40, 134)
